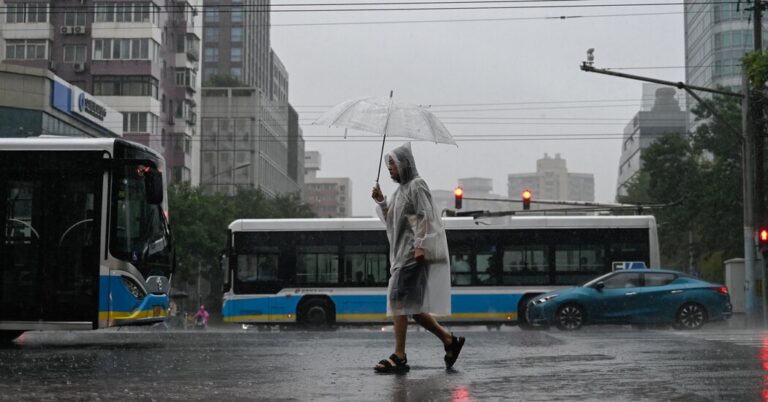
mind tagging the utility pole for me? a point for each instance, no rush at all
(753, 159)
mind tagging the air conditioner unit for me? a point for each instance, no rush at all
(79, 67)
(78, 29)
(66, 30)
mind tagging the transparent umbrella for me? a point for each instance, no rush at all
(390, 119)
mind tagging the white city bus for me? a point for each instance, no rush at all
(326, 271)
(85, 241)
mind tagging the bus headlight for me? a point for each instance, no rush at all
(133, 288)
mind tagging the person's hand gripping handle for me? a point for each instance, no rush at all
(376, 193)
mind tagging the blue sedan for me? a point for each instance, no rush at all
(638, 297)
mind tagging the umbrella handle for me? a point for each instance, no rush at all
(381, 156)
(386, 123)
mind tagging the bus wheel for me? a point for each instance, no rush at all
(7, 337)
(316, 313)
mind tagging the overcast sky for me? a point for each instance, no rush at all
(524, 66)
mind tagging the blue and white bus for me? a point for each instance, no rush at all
(85, 242)
(327, 271)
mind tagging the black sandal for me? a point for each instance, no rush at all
(400, 366)
(452, 351)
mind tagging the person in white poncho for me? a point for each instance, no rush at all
(420, 282)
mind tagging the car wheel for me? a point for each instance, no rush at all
(691, 316)
(570, 317)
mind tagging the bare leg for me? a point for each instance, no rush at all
(430, 324)
(401, 328)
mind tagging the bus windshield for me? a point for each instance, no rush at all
(139, 229)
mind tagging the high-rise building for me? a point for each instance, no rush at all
(140, 58)
(665, 117)
(248, 141)
(236, 42)
(329, 197)
(717, 35)
(552, 181)
(237, 54)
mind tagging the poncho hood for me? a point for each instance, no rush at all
(406, 165)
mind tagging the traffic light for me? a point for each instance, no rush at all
(527, 199)
(762, 236)
(459, 196)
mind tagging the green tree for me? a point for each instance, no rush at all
(199, 222)
(703, 172)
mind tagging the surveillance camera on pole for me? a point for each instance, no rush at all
(590, 56)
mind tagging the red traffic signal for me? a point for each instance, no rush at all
(458, 193)
(527, 195)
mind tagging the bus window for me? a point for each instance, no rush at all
(488, 270)
(526, 265)
(578, 263)
(317, 264)
(260, 267)
(461, 271)
(365, 265)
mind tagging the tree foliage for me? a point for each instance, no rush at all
(756, 66)
(702, 171)
(199, 222)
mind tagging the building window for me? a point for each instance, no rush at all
(74, 53)
(236, 72)
(211, 34)
(26, 50)
(139, 122)
(212, 14)
(211, 54)
(74, 18)
(125, 49)
(127, 12)
(129, 85)
(185, 77)
(236, 54)
(21, 13)
(237, 34)
(209, 72)
(237, 14)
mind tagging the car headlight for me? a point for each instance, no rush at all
(544, 299)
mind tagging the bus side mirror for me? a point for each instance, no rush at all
(599, 286)
(153, 184)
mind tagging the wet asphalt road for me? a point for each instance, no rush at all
(601, 363)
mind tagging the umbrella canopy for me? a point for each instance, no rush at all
(390, 119)
(382, 116)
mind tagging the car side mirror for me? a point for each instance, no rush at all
(599, 286)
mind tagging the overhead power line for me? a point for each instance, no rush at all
(263, 9)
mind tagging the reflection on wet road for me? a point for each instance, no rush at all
(600, 363)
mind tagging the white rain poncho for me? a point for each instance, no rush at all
(412, 222)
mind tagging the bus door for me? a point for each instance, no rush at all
(51, 205)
